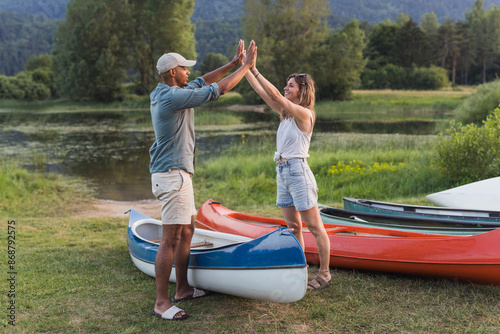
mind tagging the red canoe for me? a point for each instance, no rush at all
(473, 258)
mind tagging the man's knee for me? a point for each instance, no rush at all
(187, 232)
(171, 234)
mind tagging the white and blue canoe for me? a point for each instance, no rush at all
(272, 267)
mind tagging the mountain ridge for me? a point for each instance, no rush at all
(372, 11)
(217, 22)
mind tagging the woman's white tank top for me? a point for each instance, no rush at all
(291, 143)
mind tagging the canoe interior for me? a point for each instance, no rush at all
(388, 221)
(330, 228)
(151, 230)
(435, 211)
(356, 204)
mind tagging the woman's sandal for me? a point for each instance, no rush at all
(318, 283)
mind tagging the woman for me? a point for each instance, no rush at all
(297, 193)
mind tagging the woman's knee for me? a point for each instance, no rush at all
(296, 225)
(316, 227)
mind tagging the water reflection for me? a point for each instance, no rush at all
(110, 148)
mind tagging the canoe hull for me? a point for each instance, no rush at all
(473, 258)
(271, 268)
(481, 195)
(283, 285)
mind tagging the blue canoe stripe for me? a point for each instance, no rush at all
(278, 249)
(232, 268)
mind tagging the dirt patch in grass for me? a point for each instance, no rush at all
(109, 208)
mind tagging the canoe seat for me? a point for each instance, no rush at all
(155, 240)
(201, 244)
(193, 245)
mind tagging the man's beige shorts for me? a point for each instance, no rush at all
(175, 191)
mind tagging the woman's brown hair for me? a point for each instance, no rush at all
(307, 93)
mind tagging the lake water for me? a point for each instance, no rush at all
(110, 148)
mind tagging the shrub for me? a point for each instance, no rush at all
(10, 88)
(432, 77)
(23, 87)
(213, 61)
(479, 105)
(5, 87)
(470, 152)
(396, 77)
(29, 89)
(42, 76)
(38, 61)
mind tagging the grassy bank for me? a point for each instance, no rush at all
(395, 103)
(30, 194)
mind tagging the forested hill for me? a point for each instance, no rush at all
(22, 36)
(45, 8)
(363, 10)
(217, 21)
(28, 27)
(369, 10)
(379, 10)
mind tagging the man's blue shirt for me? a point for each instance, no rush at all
(172, 115)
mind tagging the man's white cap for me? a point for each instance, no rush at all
(171, 60)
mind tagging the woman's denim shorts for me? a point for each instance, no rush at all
(296, 185)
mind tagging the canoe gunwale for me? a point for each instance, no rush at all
(484, 217)
(402, 222)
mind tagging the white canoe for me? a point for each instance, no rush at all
(480, 195)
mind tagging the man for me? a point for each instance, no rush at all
(172, 163)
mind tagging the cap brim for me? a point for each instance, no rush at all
(188, 63)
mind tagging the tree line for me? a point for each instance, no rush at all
(468, 49)
(22, 36)
(41, 8)
(103, 44)
(378, 10)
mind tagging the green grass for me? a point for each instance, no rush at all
(394, 104)
(38, 194)
(76, 276)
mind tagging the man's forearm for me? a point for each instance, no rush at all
(229, 82)
(218, 74)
